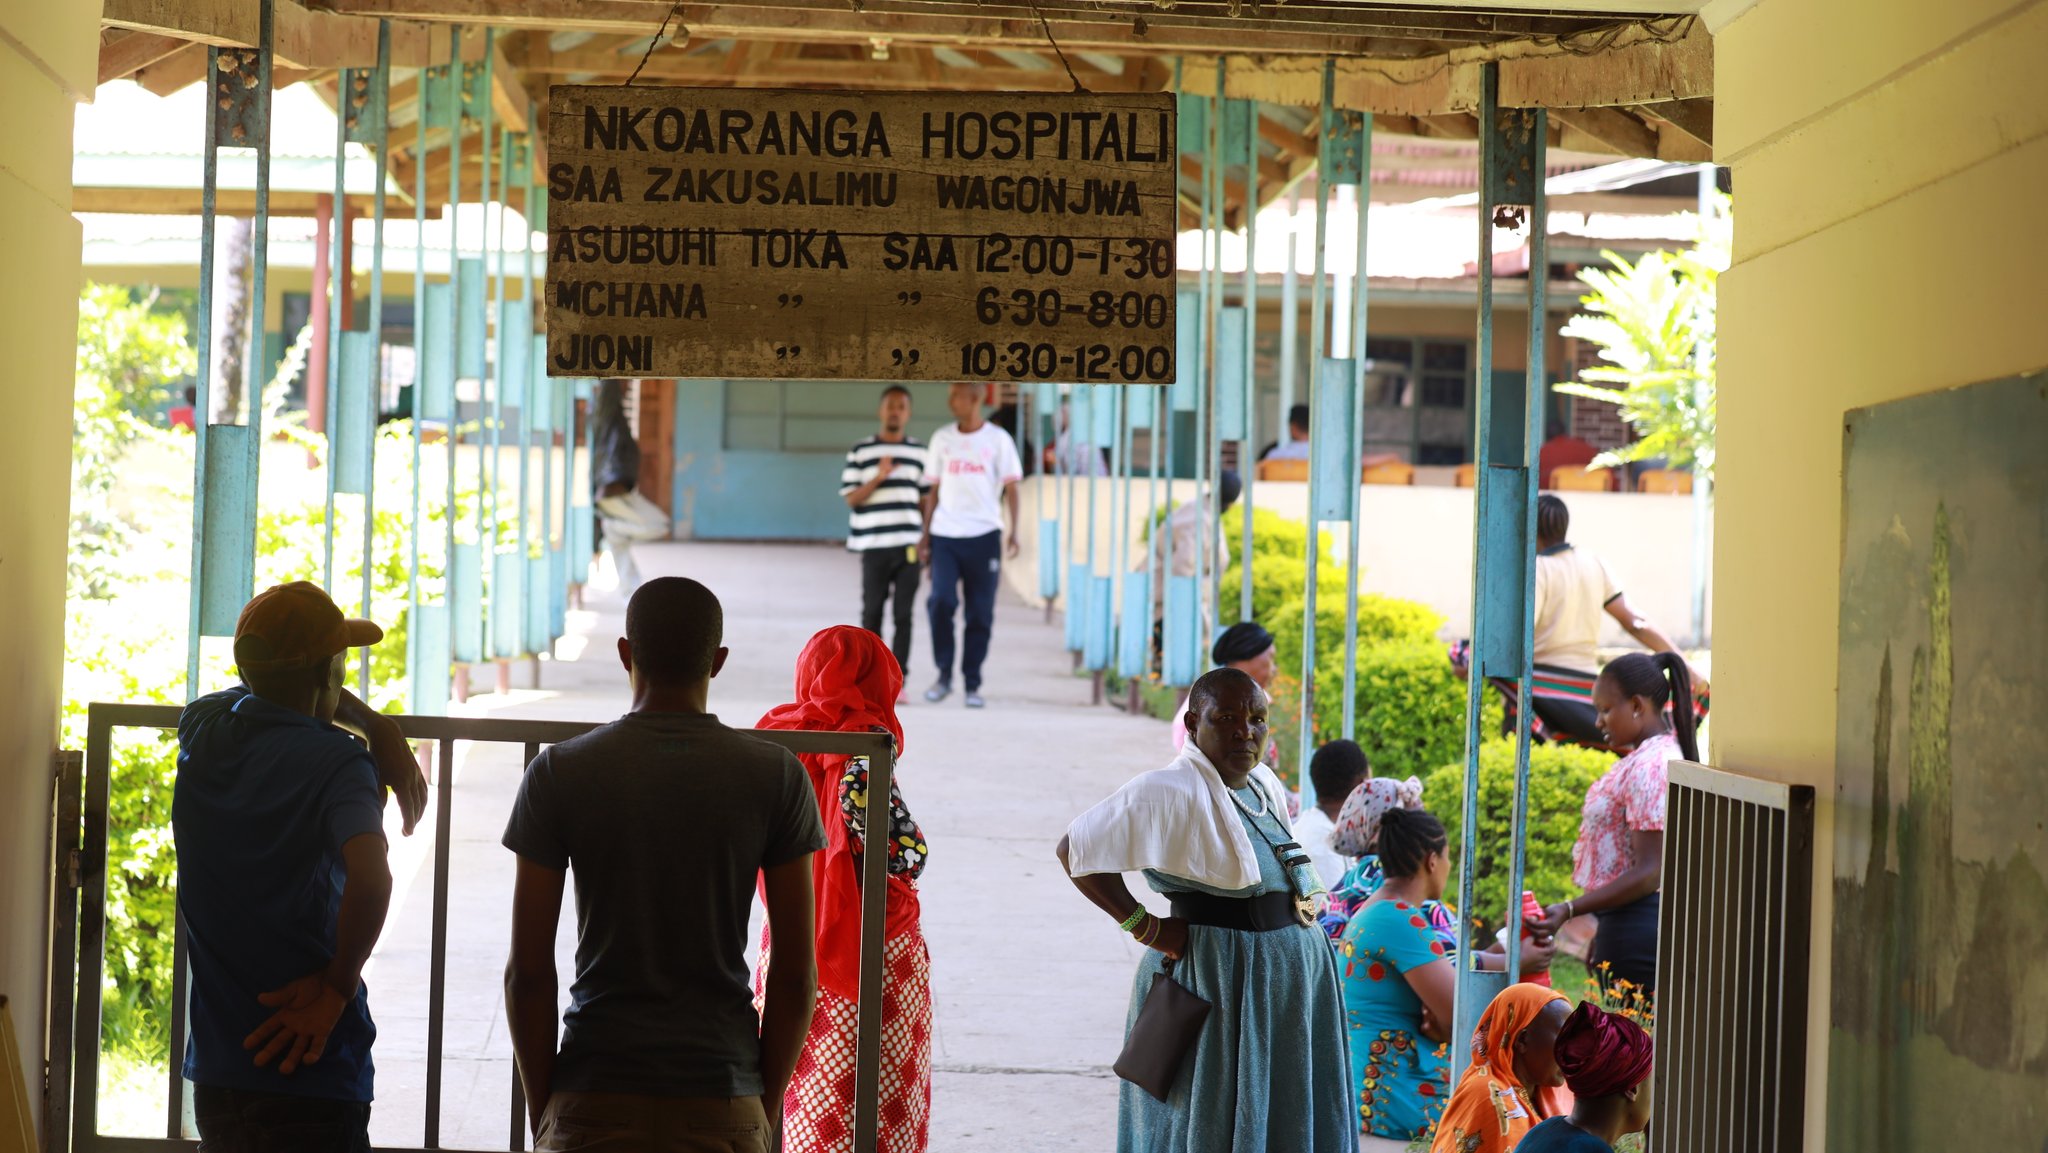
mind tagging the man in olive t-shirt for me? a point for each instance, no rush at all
(668, 817)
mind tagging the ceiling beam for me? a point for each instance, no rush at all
(1233, 186)
(1220, 17)
(508, 90)
(1451, 126)
(902, 21)
(1646, 63)
(1620, 132)
(1678, 145)
(744, 68)
(1695, 118)
(185, 66)
(123, 51)
(302, 37)
(1286, 139)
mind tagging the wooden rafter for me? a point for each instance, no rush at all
(1222, 18)
(1695, 118)
(303, 37)
(749, 66)
(123, 51)
(1618, 131)
(1007, 25)
(1647, 63)
(185, 66)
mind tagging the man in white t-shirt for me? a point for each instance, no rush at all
(1336, 769)
(973, 473)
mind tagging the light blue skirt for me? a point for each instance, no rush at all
(1271, 1073)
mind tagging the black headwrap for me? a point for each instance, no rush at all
(1241, 642)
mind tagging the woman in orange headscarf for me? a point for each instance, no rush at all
(848, 681)
(1506, 1089)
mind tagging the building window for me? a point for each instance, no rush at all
(1418, 399)
(818, 416)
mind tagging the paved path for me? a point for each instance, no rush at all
(1031, 983)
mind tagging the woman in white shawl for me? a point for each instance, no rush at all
(1270, 1069)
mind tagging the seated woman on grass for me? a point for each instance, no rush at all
(1606, 1062)
(1399, 984)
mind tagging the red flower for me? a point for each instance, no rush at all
(1377, 972)
(1437, 947)
(1426, 1089)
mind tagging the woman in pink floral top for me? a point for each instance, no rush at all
(1644, 704)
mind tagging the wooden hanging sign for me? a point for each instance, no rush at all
(861, 236)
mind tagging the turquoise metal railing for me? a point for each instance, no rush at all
(1510, 426)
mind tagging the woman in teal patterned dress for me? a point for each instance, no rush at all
(1398, 983)
(1268, 1071)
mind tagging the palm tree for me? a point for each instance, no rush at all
(1653, 321)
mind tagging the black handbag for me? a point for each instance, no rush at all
(1164, 1035)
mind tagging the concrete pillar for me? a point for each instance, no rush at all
(49, 62)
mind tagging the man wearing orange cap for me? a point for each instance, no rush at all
(282, 881)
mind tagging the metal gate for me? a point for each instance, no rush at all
(77, 958)
(1731, 964)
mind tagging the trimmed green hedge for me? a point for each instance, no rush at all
(1559, 776)
(1381, 620)
(1411, 706)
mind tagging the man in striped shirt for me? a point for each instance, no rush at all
(882, 482)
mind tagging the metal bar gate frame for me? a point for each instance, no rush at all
(79, 845)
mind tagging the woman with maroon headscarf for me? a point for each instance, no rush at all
(847, 680)
(1605, 1060)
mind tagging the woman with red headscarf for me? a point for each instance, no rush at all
(1606, 1061)
(847, 680)
(1506, 1089)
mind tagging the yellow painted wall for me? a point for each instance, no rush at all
(48, 60)
(1889, 159)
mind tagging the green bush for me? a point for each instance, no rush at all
(1276, 535)
(1411, 707)
(1559, 776)
(1276, 581)
(1381, 620)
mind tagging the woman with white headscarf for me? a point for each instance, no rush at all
(1266, 1067)
(1357, 837)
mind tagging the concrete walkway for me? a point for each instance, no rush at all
(1031, 983)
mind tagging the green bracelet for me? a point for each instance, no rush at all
(1134, 920)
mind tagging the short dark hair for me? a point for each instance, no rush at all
(1407, 838)
(1298, 416)
(893, 390)
(1229, 486)
(675, 626)
(1203, 693)
(1337, 768)
(1553, 519)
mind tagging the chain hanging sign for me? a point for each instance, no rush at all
(861, 236)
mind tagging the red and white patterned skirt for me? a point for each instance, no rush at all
(817, 1112)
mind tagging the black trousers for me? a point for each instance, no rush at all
(886, 572)
(246, 1121)
(1627, 944)
(973, 564)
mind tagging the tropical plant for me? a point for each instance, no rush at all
(130, 357)
(120, 646)
(1653, 322)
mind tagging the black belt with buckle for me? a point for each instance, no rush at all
(1261, 914)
